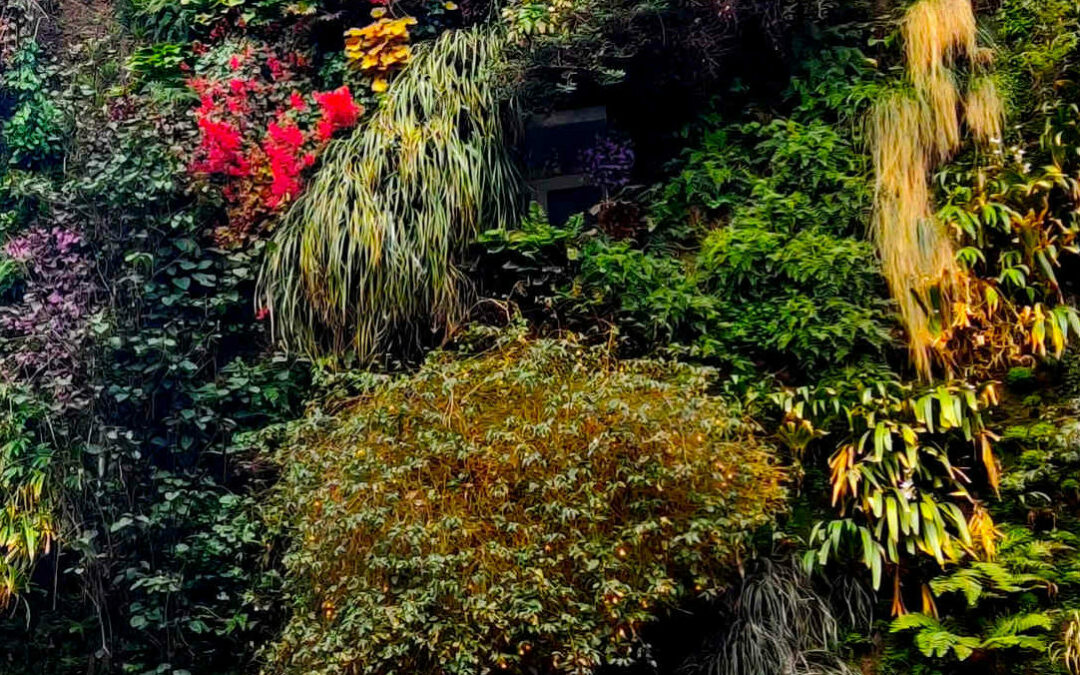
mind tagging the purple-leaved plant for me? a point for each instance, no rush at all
(43, 335)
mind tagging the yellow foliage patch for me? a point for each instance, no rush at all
(380, 48)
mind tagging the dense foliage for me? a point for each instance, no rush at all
(535, 504)
(816, 413)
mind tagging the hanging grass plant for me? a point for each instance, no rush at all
(912, 129)
(368, 252)
(984, 110)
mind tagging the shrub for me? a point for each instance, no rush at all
(807, 301)
(814, 296)
(528, 508)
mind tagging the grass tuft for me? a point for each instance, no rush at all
(368, 251)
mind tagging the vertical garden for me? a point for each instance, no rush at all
(718, 337)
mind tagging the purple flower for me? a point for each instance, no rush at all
(609, 163)
(66, 239)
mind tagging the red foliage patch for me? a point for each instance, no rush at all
(257, 135)
(338, 111)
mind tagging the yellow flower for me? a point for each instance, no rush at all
(450, 6)
(378, 13)
(379, 84)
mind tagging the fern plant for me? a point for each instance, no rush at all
(998, 614)
(934, 639)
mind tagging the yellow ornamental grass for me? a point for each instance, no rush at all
(914, 248)
(984, 110)
(911, 131)
(941, 107)
(380, 48)
(935, 33)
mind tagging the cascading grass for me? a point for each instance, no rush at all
(912, 129)
(368, 251)
(984, 110)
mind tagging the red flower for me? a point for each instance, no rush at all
(220, 150)
(296, 101)
(282, 147)
(237, 102)
(273, 64)
(286, 136)
(262, 313)
(206, 106)
(339, 111)
(234, 62)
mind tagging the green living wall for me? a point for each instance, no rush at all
(295, 379)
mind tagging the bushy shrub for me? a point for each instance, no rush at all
(815, 295)
(527, 508)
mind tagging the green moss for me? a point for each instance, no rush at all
(1031, 433)
(1020, 379)
(533, 506)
